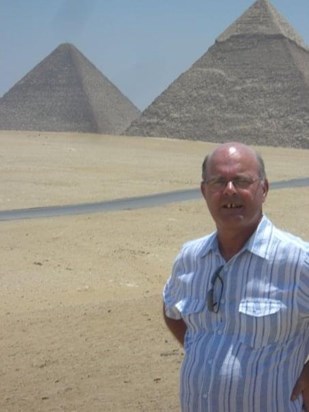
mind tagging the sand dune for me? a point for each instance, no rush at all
(80, 296)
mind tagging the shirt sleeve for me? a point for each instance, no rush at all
(172, 289)
(303, 296)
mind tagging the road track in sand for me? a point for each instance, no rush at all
(139, 202)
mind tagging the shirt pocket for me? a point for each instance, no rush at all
(260, 307)
(190, 306)
(263, 322)
(192, 311)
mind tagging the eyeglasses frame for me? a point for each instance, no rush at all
(238, 183)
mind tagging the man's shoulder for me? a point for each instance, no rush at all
(289, 239)
(201, 245)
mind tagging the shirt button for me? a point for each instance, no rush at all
(210, 361)
(205, 395)
(222, 301)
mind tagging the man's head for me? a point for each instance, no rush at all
(234, 186)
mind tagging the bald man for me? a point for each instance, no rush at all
(238, 298)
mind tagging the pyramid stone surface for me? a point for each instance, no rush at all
(66, 92)
(252, 85)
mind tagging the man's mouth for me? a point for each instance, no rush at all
(232, 206)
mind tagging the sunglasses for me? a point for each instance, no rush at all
(213, 304)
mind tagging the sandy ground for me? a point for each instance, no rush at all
(80, 297)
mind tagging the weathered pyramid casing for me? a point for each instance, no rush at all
(252, 85)
(66, 92)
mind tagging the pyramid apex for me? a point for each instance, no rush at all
(66, 46)
(261, 18)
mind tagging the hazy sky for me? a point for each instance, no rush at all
(140, 45)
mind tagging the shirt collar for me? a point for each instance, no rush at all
(259, 242)
(211, 245)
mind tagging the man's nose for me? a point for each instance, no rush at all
(229, 187)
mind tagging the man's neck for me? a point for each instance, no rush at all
(230, 243)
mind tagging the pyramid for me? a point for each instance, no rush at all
(252, 85)
(66, 92)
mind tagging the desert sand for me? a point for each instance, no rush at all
(80, 296)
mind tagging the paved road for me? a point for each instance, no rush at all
(158, 199)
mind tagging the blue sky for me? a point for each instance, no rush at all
(140, 45)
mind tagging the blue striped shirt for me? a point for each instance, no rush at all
(247, 356)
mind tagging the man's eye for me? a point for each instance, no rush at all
(239, 180)
(242, 182)
(218, 182)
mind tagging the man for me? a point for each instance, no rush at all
(238, 299)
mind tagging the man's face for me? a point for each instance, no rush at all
(233, 190)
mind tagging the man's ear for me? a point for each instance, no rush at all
(265, 188)
(203, 188)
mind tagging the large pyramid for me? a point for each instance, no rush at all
(66, 92)
(252, 85)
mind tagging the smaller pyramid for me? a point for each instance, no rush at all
(66, 92)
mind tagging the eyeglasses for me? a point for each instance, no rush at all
(211, 304)
(219, 183)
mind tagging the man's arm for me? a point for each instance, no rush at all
(302, 386)
(176, 326)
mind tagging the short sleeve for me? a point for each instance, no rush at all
(303, 296)
(171, 290)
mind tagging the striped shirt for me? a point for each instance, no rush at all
(247, 354)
